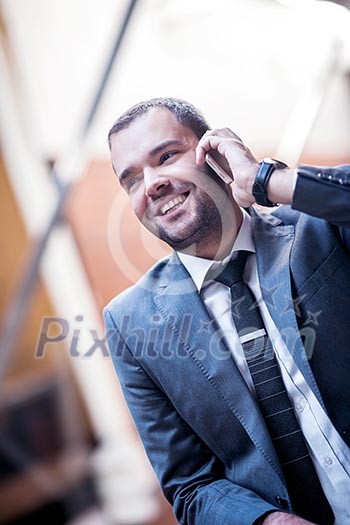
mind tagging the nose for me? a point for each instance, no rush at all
(155, 182)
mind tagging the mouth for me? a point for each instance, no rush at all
(173, 204)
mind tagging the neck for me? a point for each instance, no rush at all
(220, 246)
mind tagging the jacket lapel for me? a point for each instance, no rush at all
(210, 360)
(273, 241)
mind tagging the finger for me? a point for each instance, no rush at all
(200, 152)
(216, 142)
(226, 132)
(206, 143)
(223, 133)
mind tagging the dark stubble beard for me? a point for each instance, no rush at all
(204, 229)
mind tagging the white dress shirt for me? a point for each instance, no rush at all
(329, 453)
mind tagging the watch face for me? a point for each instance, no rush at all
(276, 163)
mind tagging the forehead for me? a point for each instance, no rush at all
(146, 132)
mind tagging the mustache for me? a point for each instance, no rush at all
(170, 190)
(175, 188)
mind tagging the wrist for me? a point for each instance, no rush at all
(260, 187)
(281, 185)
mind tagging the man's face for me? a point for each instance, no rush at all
(176, 200)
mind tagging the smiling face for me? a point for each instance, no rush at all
(179, 202)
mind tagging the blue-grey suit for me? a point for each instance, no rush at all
(200, 426)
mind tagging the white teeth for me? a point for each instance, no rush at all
(171, 204)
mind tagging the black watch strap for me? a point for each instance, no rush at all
(266, 168)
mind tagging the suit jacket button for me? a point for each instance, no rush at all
(282, 502)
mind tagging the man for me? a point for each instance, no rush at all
(180, 338)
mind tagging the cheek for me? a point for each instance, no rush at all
(186, 171)
(183, 168)
(138, 204)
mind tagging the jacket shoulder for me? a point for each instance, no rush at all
(134, 296)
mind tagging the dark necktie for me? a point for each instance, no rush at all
(305, 491)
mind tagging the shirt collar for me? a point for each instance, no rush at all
(198, 267)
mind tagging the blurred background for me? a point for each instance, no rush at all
(276, 72)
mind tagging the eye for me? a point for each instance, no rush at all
(166, 156)
(132, 184)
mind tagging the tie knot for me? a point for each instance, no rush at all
(233, 271)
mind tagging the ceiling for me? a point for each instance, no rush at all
(277, 73)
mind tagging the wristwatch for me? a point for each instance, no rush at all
(266, 168)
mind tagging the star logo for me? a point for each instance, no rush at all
(312, 317)
(204, 326)
(267, 297)
(294, 303)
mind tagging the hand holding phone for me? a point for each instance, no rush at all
(227, 178)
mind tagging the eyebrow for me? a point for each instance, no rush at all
(157, 149)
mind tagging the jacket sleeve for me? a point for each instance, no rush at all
(325, 193)
(191, 476)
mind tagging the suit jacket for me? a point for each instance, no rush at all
(201, 428)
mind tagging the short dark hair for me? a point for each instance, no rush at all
(184, 112)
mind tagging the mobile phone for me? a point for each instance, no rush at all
(218, 169)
